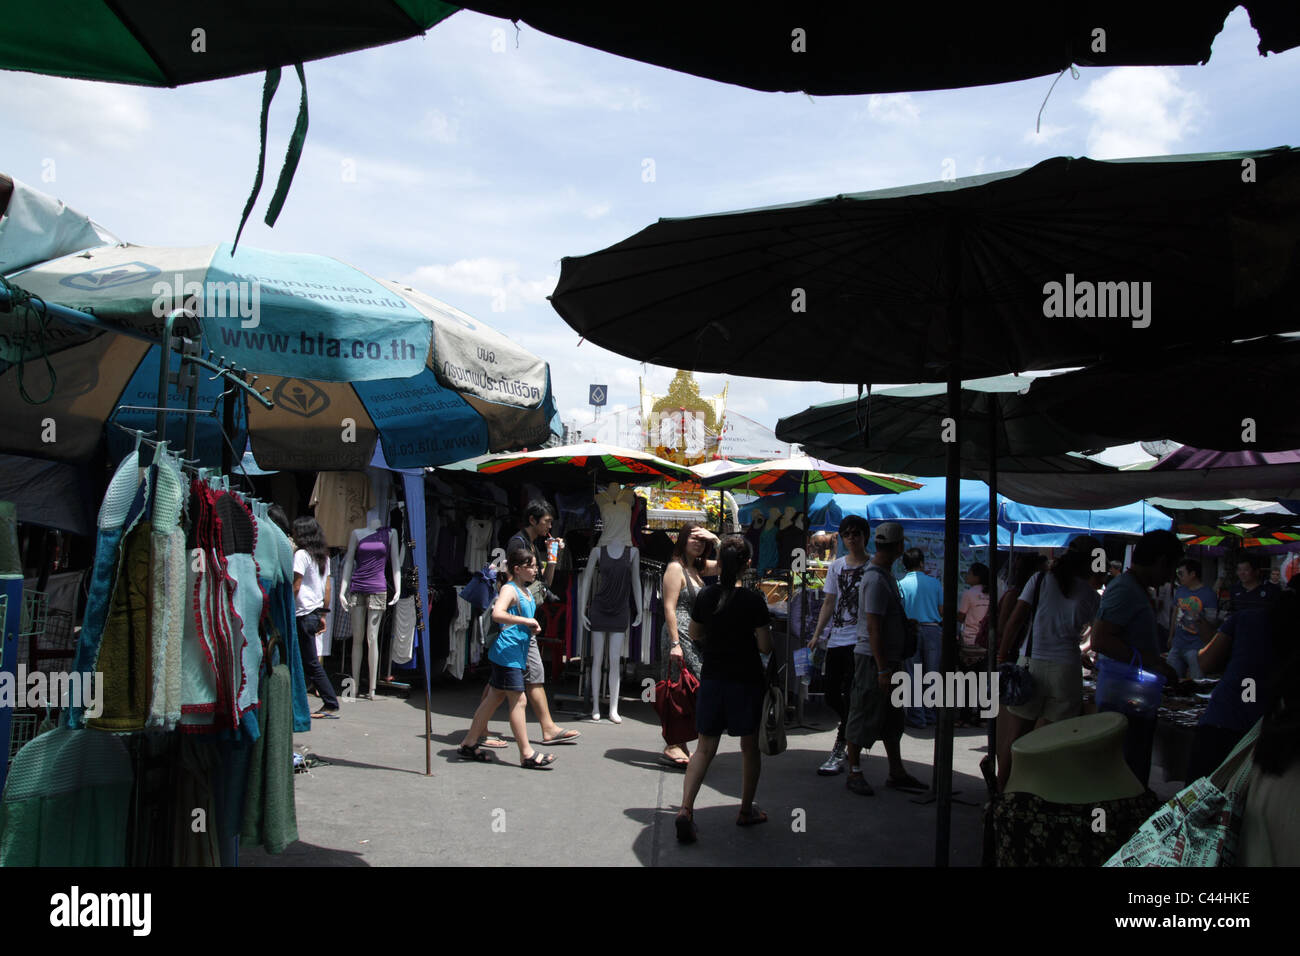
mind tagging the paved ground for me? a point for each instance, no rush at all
(607, 802)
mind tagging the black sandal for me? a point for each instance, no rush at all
(474, 752)
(538, 761)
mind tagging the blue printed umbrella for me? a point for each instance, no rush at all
(346, 359)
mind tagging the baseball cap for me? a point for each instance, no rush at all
(890, 532)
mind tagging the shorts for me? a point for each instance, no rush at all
(506, 678)
(534, 672)
(872, 716)
(1058, 692)
(728, 706)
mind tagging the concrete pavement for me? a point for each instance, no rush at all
(606, 802)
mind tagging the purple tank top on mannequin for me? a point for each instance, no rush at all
(370, 563)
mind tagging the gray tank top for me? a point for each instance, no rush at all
(611, 605)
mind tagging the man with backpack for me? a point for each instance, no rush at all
(879, 653)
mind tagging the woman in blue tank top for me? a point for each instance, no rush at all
(513, 610)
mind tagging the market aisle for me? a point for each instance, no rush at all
(607, 802)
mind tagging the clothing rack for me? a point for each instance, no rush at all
(181, 334)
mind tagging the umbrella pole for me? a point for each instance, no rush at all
(943, 828)
(995, 409)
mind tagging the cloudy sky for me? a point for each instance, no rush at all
(468, 162)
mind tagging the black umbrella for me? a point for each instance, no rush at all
(1063, 264)
(882, 48)
(907, 427)
(1136, 398)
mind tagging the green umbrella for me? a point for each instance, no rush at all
(171, 44)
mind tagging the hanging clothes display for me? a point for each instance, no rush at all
(270, 817)
(67, 801)
(341, 500)
(167, 592)
(118, 500)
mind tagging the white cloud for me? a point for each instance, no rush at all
(597, 210)
(893, 108)
(1044, 134)
(77, 115)
(497, 280)
(1138, 111)
(442, 128)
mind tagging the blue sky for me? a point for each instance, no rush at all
(468, 162)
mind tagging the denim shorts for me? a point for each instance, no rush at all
(506, 678)
(728, 706)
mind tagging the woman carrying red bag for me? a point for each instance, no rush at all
(683, 579)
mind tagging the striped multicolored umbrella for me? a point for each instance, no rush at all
(1217, 539)
(600, 462)
(810, 475)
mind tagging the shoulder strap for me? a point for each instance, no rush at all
(1233, 771)
(1033, 612)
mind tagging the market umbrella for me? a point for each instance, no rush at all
(1244, 415)
(587, 462)
(170, 44)
(833, 48)
(961, 279)
(346, 360)
(1224, 538)
(906, 429)
(1029, 269)
(1190, 474)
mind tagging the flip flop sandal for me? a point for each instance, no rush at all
(678, 764)
(686, 830)
(538, 761)
(473, 753)
(565, 737)
(324, 714)
(752, 819)
(908, 784)
(492, 742)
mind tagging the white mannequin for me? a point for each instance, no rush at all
(787, 519)
(615, 505)
(365, 619)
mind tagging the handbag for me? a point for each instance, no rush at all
(1016, 684)
(771, 727)
(1201, 824)
(674, 702)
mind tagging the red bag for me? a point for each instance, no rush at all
(675, 704)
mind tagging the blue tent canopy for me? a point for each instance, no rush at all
(922, 511)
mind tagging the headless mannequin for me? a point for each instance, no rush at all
(615, 505)
(1074, 761)
(366, 617)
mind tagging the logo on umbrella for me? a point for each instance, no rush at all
(110, 277)
(301, 398)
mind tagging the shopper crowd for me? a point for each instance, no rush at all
(1053, 621)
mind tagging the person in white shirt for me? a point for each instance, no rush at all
(1063, 602)
(311, 595)
(840, 611)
